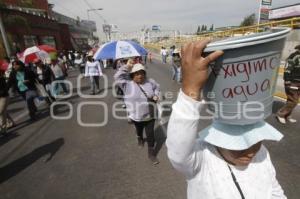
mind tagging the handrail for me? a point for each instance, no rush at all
(178, 41)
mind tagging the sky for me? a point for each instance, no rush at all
(183, 15)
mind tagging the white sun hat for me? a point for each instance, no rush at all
(90, 54)
(137, 67)
(238, 137)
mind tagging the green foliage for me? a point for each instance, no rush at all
(2, 4)
(249, 20)
(198, 30)
(26, 3)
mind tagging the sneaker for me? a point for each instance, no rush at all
(152, 156)
(140, 142)
(281, 120)
(291, 120)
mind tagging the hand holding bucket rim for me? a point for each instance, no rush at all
(195, 67)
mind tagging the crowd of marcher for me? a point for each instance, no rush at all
(214, 168)
(174, 60)
(33, 81)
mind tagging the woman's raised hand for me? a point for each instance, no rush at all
(195, 67)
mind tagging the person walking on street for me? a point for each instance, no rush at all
(292, 87)
(140, 96)
(171, 51)
(222, 161)
(24, 80)
(150, 57)
(176, 66)
(164, 54)
(93, 70)
(59, 76)
(45, 77)
(3, 103)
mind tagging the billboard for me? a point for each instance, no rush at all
(91, 25)
(156, 28)
(114, 28)
(110, 28)
(264, 10)
(290, 11)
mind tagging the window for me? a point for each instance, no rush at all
(30, 40)
(48, 40)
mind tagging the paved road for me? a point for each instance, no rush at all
(61, 159)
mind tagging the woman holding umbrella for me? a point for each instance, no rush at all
(93, 70)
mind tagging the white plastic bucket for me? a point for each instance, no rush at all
(242, 82)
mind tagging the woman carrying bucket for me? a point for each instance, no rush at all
(224, 161)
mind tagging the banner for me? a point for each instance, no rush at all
(266, 2)
(285, 12)
(264, 10)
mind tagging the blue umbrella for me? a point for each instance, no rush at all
(120, 49)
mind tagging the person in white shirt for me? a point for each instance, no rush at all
(58, 69)
(222, 161)
(164, 54)
(93, 70)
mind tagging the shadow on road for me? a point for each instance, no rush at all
(8, 137)
(43, 113)
(12, 169)
(160, 137)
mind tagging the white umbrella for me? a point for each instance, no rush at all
(32, 53)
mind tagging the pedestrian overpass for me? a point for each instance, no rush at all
(179, 39)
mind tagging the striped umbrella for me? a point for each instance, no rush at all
(119, 49)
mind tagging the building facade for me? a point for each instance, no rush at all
(33, 22)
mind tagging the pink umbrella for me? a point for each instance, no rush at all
(3, 65)
(32, 53)
(48, 49)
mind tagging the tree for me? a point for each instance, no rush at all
(211, 27)
(2, 4)
(249, 20)
(198, 30)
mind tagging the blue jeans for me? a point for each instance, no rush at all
(176, 73)
(56, 88)
(164, 59)
(29, 96)
(94, 83)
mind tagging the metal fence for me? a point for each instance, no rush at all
(293, 23)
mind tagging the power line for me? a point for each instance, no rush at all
(60, 5)
(91, 7)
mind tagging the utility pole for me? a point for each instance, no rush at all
(4, 37)
(88, 16)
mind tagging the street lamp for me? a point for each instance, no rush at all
(89, 10)
(88, 16)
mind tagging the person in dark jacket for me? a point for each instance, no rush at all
(292, 87)
(3, 103)
(176, 66)
(24, 80)
(45, 77)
